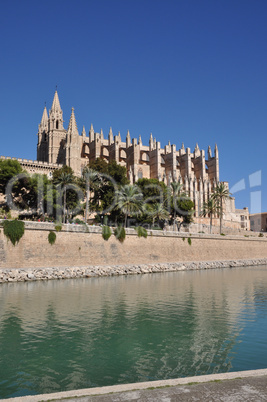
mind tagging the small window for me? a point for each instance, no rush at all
(140, 174)
(57, 124)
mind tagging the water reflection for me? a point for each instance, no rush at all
(62, 335)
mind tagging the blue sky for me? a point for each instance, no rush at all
(187, 71)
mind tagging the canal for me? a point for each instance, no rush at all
(81, 333)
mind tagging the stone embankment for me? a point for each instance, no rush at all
(37, 274)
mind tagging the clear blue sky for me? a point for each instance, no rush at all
(186, 70)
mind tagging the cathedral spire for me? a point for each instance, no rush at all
(209, 152)
(44, 120)
(56, 105)
(110, 136)
(72, 129)
(55, 115)
(197, 150)
(91, 133)
(151, 143)
(128, 139)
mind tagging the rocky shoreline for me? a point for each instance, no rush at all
(39, 274)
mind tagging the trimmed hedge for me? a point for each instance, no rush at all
(141, 231)
(52, 237)
(58, 227)
(120, 233)
(106, 232)
(13, 230)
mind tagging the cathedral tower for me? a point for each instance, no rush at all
(56, 133)
(42, 146)
(73, 146)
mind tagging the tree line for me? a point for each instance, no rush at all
(103, 189)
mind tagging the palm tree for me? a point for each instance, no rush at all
(210, 208)
(63, 180)
(220, 194)
(177, 193)
(159, 213)
(129, 200)
(89, 175)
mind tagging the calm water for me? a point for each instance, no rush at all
(63, 335)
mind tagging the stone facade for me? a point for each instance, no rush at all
(57, 145)
(258, 222)
(35, 166)
(197, 172)
(67, 147)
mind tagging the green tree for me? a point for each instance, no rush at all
(177, 193)
(185, 209)
(63, 180)
(220, 194)
(158, 213)
(111, 176)
(210, 208)
(154, 192)
(58, 172)
(129, 201)
(8, 169)
(33, 192)
(89, 176)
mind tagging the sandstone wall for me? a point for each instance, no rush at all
(81, 249)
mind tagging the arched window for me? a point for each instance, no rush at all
(57, 124)
(86, 149)
(123, 154)
(105, 151)
(145, 157)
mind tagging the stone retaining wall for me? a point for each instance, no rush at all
(22, 275)
(87, 248)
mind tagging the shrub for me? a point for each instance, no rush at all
(58, 228)
(106, 232)
(5, 213)
(261, 235)
(52, 237)
(120, 234)
(79, 222)
(97, 219)
(13, 230)
(141, 231)
(189, 241)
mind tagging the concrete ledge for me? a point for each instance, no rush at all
(140, 386)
